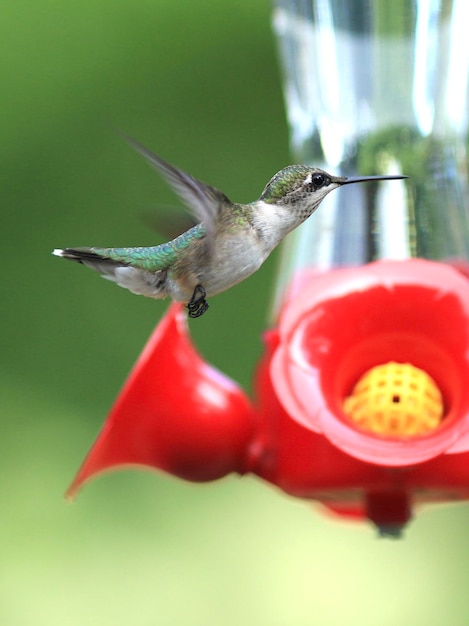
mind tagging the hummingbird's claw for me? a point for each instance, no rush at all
(197, 305)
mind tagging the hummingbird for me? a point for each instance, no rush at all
(229, 243)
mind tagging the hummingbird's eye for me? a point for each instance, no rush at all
(318, 180)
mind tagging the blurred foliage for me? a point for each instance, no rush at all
(197, 83)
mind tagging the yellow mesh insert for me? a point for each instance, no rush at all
(396, 400)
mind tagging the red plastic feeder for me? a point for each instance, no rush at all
(312, 432)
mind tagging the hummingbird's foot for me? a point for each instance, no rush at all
(197, 305)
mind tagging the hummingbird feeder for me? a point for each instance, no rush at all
(361, 397)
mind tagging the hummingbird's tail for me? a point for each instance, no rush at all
(82, 255)
(137, 280)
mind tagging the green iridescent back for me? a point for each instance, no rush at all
(153, 258)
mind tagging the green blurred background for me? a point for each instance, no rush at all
(198, 83)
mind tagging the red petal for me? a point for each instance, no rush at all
(175, 413)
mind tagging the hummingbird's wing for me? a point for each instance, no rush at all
(203, 200)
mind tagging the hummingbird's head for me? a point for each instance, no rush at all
(302, 188)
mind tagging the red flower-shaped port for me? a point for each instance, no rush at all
(175, 413)
(335, 328)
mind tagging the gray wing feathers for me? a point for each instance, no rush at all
(203, 201)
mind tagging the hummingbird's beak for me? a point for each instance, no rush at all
(363, 179)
